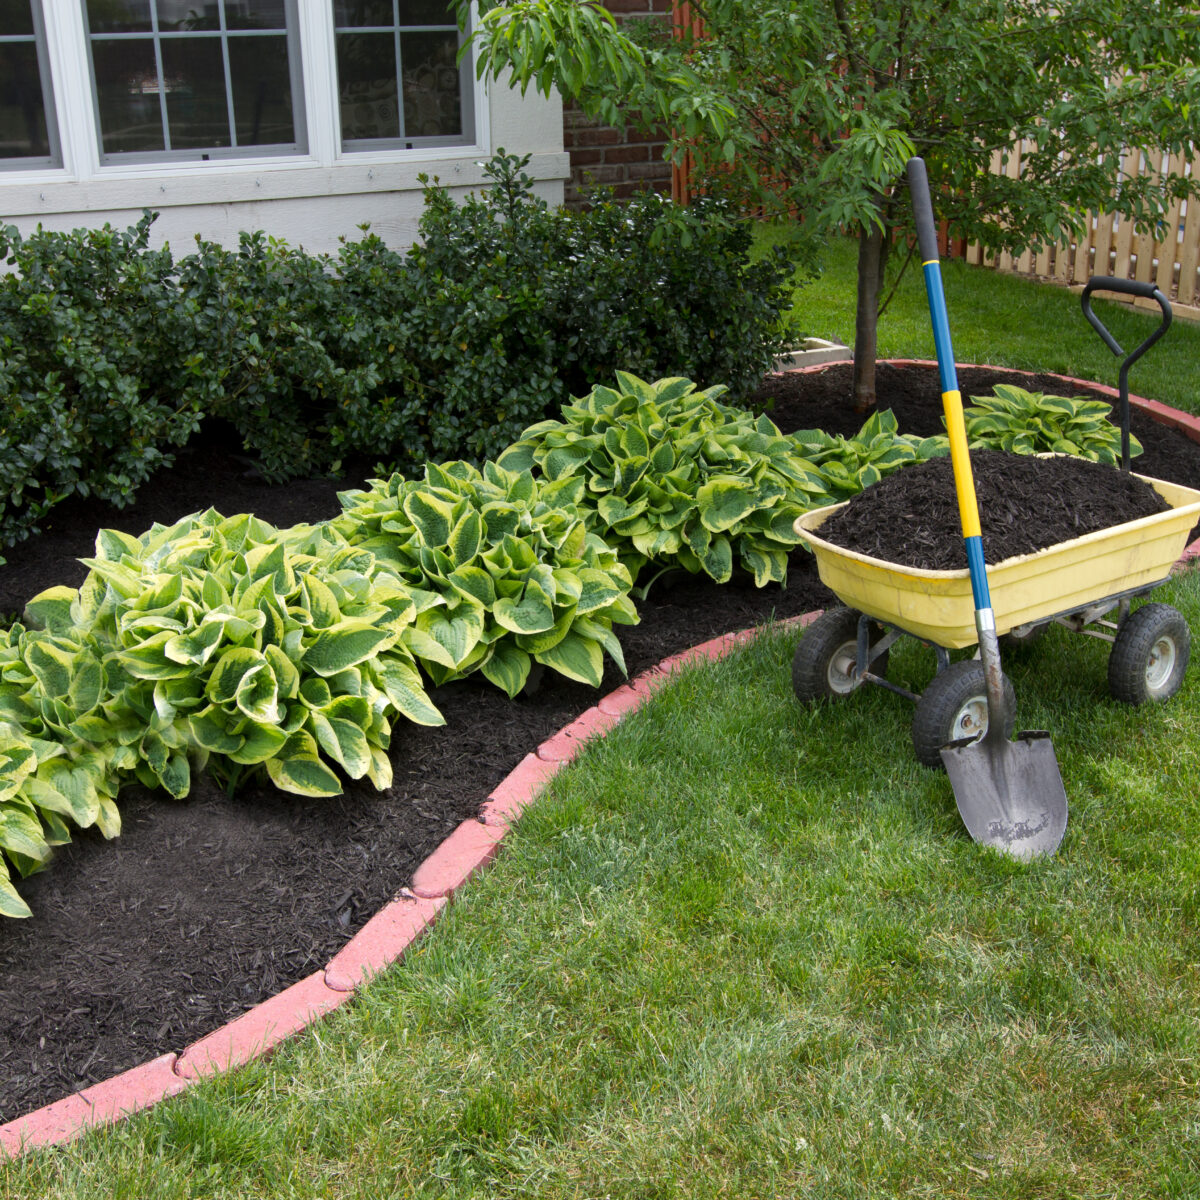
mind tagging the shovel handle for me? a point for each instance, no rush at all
(964, 480)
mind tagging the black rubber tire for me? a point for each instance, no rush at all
(1149, 655)
(941, 716)
(816, 673)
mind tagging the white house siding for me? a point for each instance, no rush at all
(309, 200)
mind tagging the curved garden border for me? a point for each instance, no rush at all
(401, 922)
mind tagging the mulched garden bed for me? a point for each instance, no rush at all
(204, 907)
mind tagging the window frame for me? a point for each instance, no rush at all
(38, 162)
(156, 37)
(467, 89)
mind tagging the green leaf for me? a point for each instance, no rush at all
(577, 658)
(345, 645)
(507, 666)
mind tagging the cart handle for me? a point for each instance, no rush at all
(1125, 287)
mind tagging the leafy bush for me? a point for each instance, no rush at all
(93, 369)
(503, 570)
(675, 478)
(1032, 423)
(231, 643)
(57, 764)
(516, 306)
(845, 466)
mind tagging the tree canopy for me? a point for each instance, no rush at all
(810, 108)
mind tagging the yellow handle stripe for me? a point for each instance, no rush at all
(964, 483)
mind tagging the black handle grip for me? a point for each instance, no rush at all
(918, 187)
(1127, 287)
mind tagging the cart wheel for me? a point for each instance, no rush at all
(1149, 655)
(826, 657)
(954, 706)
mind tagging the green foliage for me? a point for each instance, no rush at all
(92, 369)
(58, 762)
(502, 568)
(811, 109)
(514, 307)
(847, 465)
(1032, 423)
(110, 352)
(230, 643)
(675, 478)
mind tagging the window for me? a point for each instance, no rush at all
(195, 79)
(28, 132)
(399, 82)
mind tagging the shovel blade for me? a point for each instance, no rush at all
(1010, 795)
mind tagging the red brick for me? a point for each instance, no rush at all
(653, 170)
(624, 154)
(585, 158)
(261, 1029)
(602, 136)
(381, 941)
(135, 1089)
(471, 846)
(57, 1122)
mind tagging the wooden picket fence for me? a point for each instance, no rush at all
(1110, 246)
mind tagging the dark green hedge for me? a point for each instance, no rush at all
(114, 353)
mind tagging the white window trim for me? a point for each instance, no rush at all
(83, 183)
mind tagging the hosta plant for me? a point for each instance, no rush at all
(846, 466)
(229, 643)
(674, 478)
(1033, 423)
(58, 761)
(503, 570)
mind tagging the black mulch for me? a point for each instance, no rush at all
(1025, 504)
(204, 907)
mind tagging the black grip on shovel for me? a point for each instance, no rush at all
(918, 186)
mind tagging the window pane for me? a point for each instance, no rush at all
(263, 14)
(432, 106)
(262, 91)
(427, 12)
(16, 18)
(363, 12)
(119, 16)
(367, 85)
(184, 15)
(22, 109)
(197, 112)
(127, 89)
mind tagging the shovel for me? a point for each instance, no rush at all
(1010, 794)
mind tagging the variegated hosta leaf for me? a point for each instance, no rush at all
(212, 632)
(665, 460)
(512, 563)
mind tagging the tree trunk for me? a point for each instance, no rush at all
(872, 260)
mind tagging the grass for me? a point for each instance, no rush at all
(741, 949)
(1008, 321)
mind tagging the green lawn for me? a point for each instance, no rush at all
(742, 949)
(1006, 321)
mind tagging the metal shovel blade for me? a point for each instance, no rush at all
(1010, 795)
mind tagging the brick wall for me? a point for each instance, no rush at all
(622, 159)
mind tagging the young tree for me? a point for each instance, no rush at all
(810, 108)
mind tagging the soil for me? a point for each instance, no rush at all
(1025, 505)
(204, 907)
